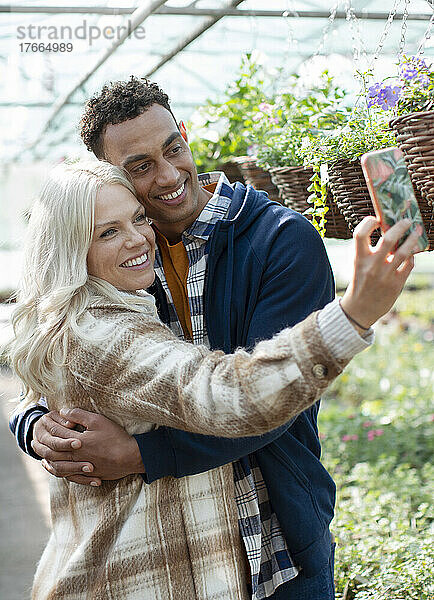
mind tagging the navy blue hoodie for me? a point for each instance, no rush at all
(267, 269)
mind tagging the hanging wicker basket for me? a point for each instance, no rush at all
(257, 177)
(349, 189)
(232, 171)
(415, 136)
(292, 183)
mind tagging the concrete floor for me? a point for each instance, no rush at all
(24, 507)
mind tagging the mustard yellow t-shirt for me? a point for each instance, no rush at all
(175, 265)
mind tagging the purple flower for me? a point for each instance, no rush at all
(373, 90)
(388, 96)
(408, 72)
(383, 96)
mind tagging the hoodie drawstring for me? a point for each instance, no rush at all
(228, 291)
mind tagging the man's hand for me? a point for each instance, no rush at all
(102, 451)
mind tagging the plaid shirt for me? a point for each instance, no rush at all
(267, 552)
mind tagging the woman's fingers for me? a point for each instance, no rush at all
(363, 232)
(389, 240)
(406, 250)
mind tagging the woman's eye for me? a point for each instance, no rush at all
(141, 218)
(108, 233)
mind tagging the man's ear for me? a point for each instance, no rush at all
(183, 130)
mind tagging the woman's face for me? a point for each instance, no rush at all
(122, 251)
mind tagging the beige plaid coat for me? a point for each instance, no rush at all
(176, 538)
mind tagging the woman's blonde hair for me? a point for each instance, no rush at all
(55, 288)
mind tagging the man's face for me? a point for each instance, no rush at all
(159, 160)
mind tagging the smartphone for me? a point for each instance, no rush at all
(392, 193)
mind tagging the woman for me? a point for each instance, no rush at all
(86, 336)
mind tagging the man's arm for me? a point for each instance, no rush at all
(21, 425)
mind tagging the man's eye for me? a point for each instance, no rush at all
(108, 233)
(176, 149)
(141, 168)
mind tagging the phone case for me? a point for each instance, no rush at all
(392, 192)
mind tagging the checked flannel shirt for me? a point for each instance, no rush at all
(269, 559)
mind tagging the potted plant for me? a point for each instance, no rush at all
(335, 157)
(222, 131)
(411, 103)
(304, 113)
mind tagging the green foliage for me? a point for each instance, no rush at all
(223, 130)
(303, 113)
(362, 133)
(417, 86)
(376, 428)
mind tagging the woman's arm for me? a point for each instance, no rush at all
(143, 373)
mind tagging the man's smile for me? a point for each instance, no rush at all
(176, 197)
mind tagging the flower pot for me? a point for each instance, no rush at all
(415, 137)
(292, 183)
(257, 177)
(350, 192)
(232, 171)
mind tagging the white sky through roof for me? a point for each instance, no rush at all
(32, 82)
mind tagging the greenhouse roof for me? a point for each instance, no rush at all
(56, 54)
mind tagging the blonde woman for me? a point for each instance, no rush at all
(85, 335)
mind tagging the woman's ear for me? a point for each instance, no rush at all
(183, 130)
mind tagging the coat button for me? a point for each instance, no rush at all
(319, 371)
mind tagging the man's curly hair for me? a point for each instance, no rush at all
(117, 102)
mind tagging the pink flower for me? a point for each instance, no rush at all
(371, 435)
(265, 107)
(379, 432)
(352, 416)
(322, 436)
(432, 417)
(368, 423)
(350, 438)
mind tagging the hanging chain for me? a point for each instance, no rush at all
(403, 30)
(385, 33)
(425, 38)
(326, 29)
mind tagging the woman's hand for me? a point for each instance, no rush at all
(380, 272)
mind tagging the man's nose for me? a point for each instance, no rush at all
(167, 174)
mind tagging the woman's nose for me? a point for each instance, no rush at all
(135, 238)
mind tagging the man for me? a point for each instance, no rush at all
(234, 268)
